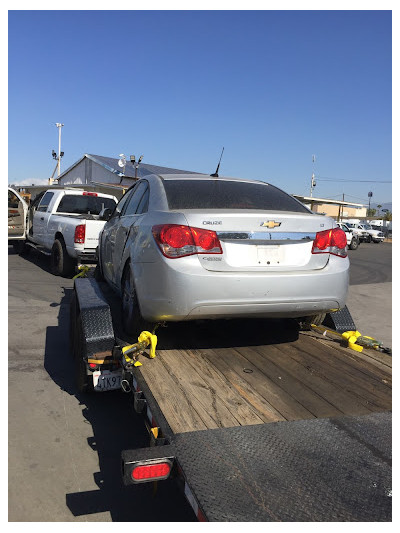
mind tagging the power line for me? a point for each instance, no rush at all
(348, 181)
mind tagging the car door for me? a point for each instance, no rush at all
(40, 218)
(127, 229)
(108, 236)
(16, 215)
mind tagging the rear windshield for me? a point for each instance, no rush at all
(221, 194)
(82, 205)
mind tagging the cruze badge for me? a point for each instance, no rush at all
(270, 224)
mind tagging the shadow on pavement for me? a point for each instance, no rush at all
(115, 427)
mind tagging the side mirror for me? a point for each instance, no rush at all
(105, 214)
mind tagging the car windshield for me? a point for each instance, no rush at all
(82, 204)
(366, 226)
(225, 194)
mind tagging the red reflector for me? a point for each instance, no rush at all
(154, 471)
(80, 232)
(92, 365)
(86, 193)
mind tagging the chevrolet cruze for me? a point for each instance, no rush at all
(190, 246)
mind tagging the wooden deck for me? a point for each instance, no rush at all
(210, 385)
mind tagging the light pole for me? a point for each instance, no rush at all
(313, 184)
(59, 126)
(369, 202)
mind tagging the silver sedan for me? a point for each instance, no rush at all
(191, 246)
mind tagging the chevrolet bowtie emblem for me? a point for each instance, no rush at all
(270, 224)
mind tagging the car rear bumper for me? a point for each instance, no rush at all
(181, 289)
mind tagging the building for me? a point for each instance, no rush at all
(334, 208)
(105, 174)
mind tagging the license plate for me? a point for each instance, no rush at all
(268, 255)
(104, 380)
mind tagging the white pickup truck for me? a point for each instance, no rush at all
(65, 223)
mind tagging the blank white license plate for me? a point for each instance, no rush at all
(269, 255)
(104, 380)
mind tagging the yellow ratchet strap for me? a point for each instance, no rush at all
(84, 269)
(144, 339)
(351, 337)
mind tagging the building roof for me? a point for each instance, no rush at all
(111, 164)
(311, 199)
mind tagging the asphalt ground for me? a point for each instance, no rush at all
(64, 448)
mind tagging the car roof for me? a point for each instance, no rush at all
(207, 177)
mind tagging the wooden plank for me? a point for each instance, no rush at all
(261, 406)
(367, 375)
(286, 357)
(172, 397)
(242, 410)
(336, 383)
(301, 392)
(206, 392)
(287, 406)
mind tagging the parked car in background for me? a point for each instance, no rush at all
(65, 224)
(362, 234)
(17, 211)
(189, 246)
(376, 235)
(352, 238)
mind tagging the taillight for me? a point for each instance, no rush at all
(80, 232)
(151, 472)
(330, 241)
(87, 193)
(175, 240)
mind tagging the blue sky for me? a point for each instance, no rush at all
(272, 87)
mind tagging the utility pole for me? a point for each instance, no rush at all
(313, 184)
(59, 126)
(60, 154)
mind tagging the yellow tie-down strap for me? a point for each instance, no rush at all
(144, 340)
(354, 339)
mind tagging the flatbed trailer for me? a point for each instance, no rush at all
(256, 423)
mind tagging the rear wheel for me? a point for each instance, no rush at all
(132, 320)
(369, 238)
(61, 263)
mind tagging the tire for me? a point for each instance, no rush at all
(305, 322)
(132, 320)
(98, 275)
(368, 239)
(61, 263)
(377, 241)
(354, 244)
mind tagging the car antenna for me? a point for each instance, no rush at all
(215, 175)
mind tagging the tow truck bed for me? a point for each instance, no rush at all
(265, 423)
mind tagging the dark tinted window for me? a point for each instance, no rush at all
(133, 203)
(221, 194)
(82, 205)
(44, 202)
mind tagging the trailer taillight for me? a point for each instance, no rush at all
(330, 241)
(151, 472)
(175, 240)
(80, 232)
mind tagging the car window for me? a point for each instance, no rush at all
(13, 200)
(132, 205)
(144, 203)
(224, 194)
(45, 201)
(84, 204)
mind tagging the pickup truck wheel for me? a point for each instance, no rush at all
(61, 263)
(368, 239)
(354, 244)
(306, 321)
(132, 320)
(377, 240)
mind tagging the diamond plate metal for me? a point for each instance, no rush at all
(341, 320)
(308, 470)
